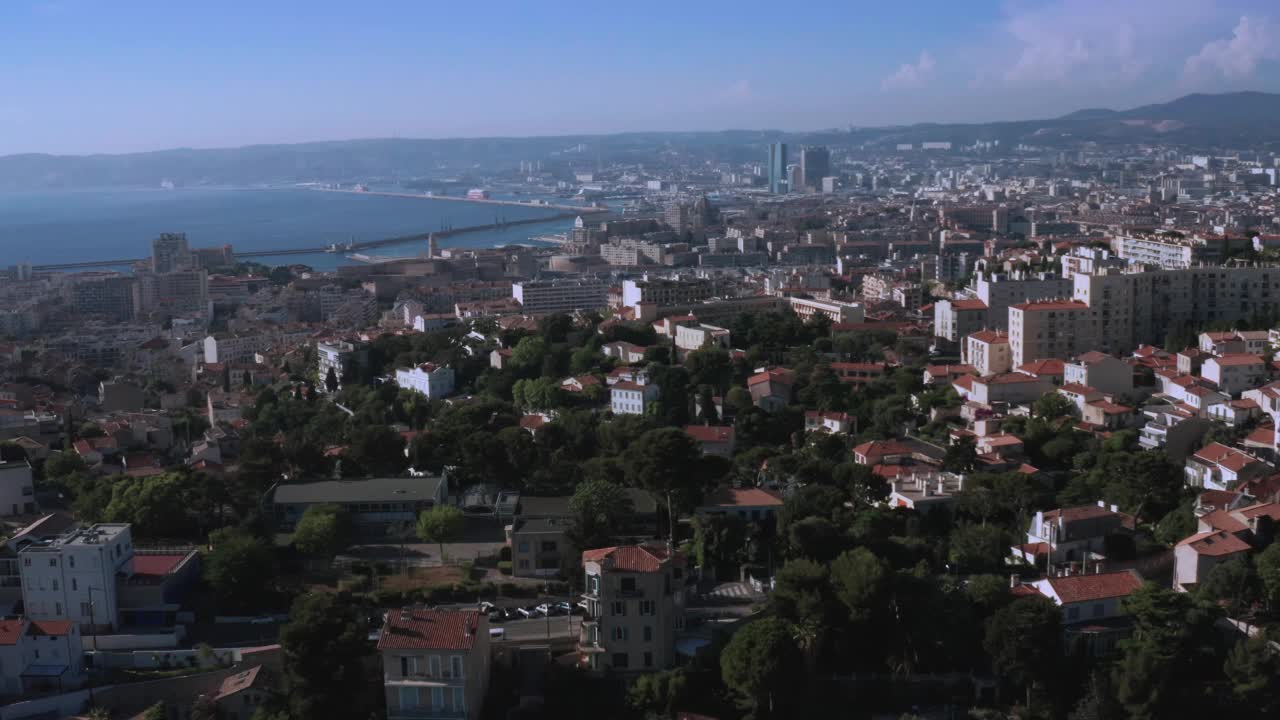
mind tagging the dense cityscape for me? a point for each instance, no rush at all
(888, 430)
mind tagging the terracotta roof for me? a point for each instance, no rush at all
(743, 497)
(10, 631)
(1237, 359)
(1215, 543)
(1110, 408)
(968, 304)
(965, 382)
(990, 336)
(50, 627)
(1083, 512)
(412, 629)
(1052, 305)
(630, 558)
(937, 370)
(778, 375)
(159, 565)
(1227, 457)
(1009, 379)
(878, 448)
(709, 433)
(1043, 366)
(532, 422)
(627, 385)
(1085, 588)
(1092, 356)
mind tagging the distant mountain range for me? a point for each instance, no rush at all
(1230, 120)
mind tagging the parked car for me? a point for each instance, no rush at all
(529, 612)
(564, 608)
(487, 607)
(497, 615)
(547, 609)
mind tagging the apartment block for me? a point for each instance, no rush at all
(557, 296)
(635, 606)
(74, 576)
(1050, 329)
(434, 381)
(435, 663)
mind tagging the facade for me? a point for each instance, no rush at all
(39, 656)
(632, 398)
(815, 164)
(170, 252)
(953, 320)
(1074, 534)
(428, 379)
(17, 491)
(1099, 371)
(435, 663)
(988, 352)
(107, 296)
(74, 576)
(375, 505)
(178, 291)
(340, 356)
(697, 337)
(998, 292)
(635, 606)
(1050, 329)
(554, 296)
(1235, 373)
(666, 293)
(1164, 253)
(834, 310)
(1196, 556)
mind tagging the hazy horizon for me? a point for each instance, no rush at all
(96, 78)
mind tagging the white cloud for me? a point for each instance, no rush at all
(911, 75)
(1097, 43)
(1251, 42)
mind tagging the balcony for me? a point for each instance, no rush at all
(423, 679)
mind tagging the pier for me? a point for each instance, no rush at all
(366, 245)
(579, 209)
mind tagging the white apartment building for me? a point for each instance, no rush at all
(1233, 374)
(554, 296)
(74, 577)
(337, 355)
(998, 292)
(17, 491)
(954, 319)
(1161, 252)
(429, 379)
(632, 398)
(835, 310)
(664, 293)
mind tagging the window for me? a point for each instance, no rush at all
(74, 585)
(619, 608)
(628, 584)
(57, 609)
(434, 664)
(86, 609)
(648, 607)
(648, 633)
(459, 700)
(455, 666)
(621, 633)
(1073, 614)
(648, 659)
(409, 697)
(437, 698)
(53, 562)
(548, 546)
(1098, 610)
(523, 547)
(55, 583)
(620, 660)
(26, 562)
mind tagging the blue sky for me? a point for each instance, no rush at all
(80, 76)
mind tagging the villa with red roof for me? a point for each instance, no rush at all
(714, 439)
(635, 596)
(40, 656)
(1219, 467)
(435, 663)
(1092, 606)
(750, 504)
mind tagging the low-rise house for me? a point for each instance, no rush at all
(771, 390)
(625, 352)
(750, 504)
(1196, 556)
(1051, 370)
(882, 452)
(988, 352)
(435, 663)
(1107, 415)
(946, 374)
(429, 379)
(242, 694)
(17, 489)
(714, 439)
(1219, 467)
(1073, 535)
(858, 373)
(923, 489)
(39, 657)
(1099, 371)
(1092, 607)
(1235, 373)
(827, 421)
(1010, 388)
(632, 398)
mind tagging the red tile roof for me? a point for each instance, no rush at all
(1215, 543)
(50, 627)
(10, 631)
(413, 629)
(709, 433)
(1227, 457)
(990, 336)
(1086, 588)
(968, 304)
(1237, 359)
(743, 497)
(158, 565)
(1043, 366)
(630, 558)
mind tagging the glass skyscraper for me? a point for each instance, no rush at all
(777, 167)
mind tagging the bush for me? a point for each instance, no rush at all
(504, 567)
